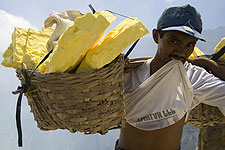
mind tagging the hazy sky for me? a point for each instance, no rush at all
(32, 13)
(25, 13)
(35, 11)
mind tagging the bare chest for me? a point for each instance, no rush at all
(167, 138)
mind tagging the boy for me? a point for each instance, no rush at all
(160, 93)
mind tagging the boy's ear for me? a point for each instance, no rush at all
(155, 35)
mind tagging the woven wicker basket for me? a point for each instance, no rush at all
(202, 115)
(205, 115)
(85, 102)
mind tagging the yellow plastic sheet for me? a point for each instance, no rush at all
(220, 45)
(118, 39)
(77, 40)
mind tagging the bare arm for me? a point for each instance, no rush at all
(211, 66)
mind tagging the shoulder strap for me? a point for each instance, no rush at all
(218, 54)
(131, 48)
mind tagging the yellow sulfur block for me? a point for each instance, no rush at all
(77, 40)
(13, 56)
(197, 52)
(27, 49)
(118, 39)
(7, 55)
(36, 48)
(220, 45)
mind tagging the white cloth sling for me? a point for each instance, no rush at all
(161, 100)
(157, 101)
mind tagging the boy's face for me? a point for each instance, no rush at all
(174, 44)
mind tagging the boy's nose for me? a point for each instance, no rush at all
(180, 51)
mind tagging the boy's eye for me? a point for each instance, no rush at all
(191, 45)
(174, 42)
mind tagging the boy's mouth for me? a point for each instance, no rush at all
(177, 57)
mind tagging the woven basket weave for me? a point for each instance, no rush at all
(202, 115)
(86, 102)
(205, 115)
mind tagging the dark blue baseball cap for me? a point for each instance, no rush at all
(184, 18)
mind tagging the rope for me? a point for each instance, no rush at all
(119, 14)
(23, 89)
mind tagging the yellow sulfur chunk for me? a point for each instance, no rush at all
(197, 52)
(36, 48)
(220, 45)
(27, 49)
(118, 39)
(13, 56)
(7, 55)
(77, 39)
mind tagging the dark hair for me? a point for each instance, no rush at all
(161, 33)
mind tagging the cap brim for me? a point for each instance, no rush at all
(186, 30)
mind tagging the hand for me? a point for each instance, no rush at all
(205, 63)
(127, 61)
(126, 68)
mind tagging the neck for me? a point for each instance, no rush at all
(156, 64)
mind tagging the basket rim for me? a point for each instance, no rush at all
(119, 58)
